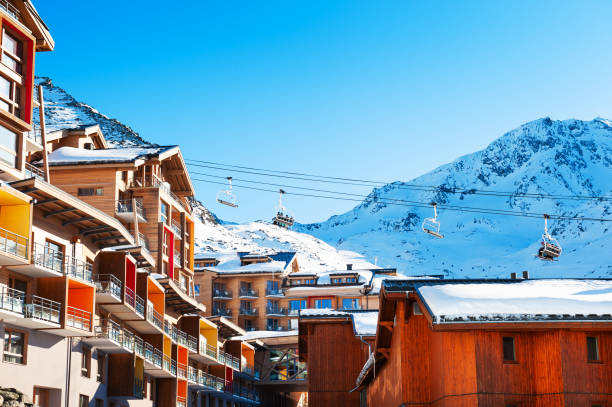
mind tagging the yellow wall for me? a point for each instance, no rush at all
(15, 217)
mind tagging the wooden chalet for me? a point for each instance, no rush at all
(504, 343)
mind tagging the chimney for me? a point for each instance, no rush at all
(525, 275)
(513, 276)
(349, 266)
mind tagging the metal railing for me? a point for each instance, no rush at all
(221, 357)
(153, 355)
(47, 257)
(173, 367)
(221, 293)
(192, 374)
(154, 317)
(140, 305)
(176, 229)
(129, 297)
(128, 340)
(43, 309)
(9, 9)
(154, 182)
(78, 269)
(277, 328)
(14, 244)
(276, 311)
(108, 329)
(234, 362)
(192, 344)
(224, 312)
(168, 364)
(274, 292)
(11, 299)
(126, 206)
(139, 346)
(219, 384)
(144, 242)
(181, 337)
(181, 401)
(78, 318)
(248, 369)
(108, 284)
(211, 351)
(32, 171)
(248, 292)
(181, 371)
(248, 311)
(138, 388)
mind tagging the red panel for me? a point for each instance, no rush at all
(28, 70)
(169, 235)
(130, 275)
(229, 377)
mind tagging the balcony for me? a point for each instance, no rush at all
(222, 294)
(277, 328)
(9, 9)
(11, 303)
(181, 337)
(34, 172)
(248, 369)
(222, 312)
(144, 242)
(248, 312)
(138, 388)
(249, 293)
(108, 337)
(192, 374)
(181, 401)
(192, 344)
(176, 229)
(181, 371)
(13, 248)
(274, 292)
(154, 182)
(153, 357)
(108, 289)
(127, 340)
(79, 269)
(211, 351)
(41, 312)
(139, 347)
(127, 209)
(155, 318)
(78, 319)
(169, 365)
(276, 311)
(45, 262)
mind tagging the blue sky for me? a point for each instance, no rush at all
(362, 89)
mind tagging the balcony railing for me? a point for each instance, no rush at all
(181, 337)
(276, 311)
(126, 206)
(168, 364)
(277, 328)
(139, 347)
(108, 284)
(154, 182)
(222, 293)
(176, 229)
(248, 369)
(211, 351)
(78, 269)
(128, 340)
(43, 309)
(144, 242)
(173, 367)
(78, 318)
(192, 374)
(219, 384)
(248, 311)
(274, 292)
(182, 371)
(181, 401)
(234, 362)
(192, 344)
(11, 299)
(129, 297)
(154, 317)
(140, 306)
(47, 257)
(14, 244)
(248, 292)
(138, 388)
(108, 329)
(32, 171)
(223, 312)
(153, 355)
(9, 9)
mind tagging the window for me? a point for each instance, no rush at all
(100, 371)
(14, 347)
(10, 84)
(416, 310)
(296, 282)
(295, 305)
(272, 324)
(245, 305)
(83, 400)
(351, 280)
(183, 283)
(18, 285)
(196, 288)
(99, 403)
(85, 362)
(272, 286)
(309, 281)
(509, 349)
(336, 281)
(350, 303)
(163, 212)
(91, 191)
(592, 349)
(12, 52)
(248, 325)
(323, 303)
(8, 139)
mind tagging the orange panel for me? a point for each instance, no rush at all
(181, 390)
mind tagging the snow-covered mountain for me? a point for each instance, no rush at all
(569, 158)
(63, 111)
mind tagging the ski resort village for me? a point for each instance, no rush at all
(125, 282)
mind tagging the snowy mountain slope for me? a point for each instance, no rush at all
(570, 157)
(63, 111)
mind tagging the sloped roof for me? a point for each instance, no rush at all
(364, 321)
(79, 156)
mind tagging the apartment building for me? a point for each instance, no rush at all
(542, 342)
(266, 291)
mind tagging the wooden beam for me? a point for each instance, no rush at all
(46, 201)
(28, 190)
(96, 230)
(43, 131)
(73, 221)
(60, 211)
(101, 239)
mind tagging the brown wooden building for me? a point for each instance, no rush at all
(492, 343)
(335, 345)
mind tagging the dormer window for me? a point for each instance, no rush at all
(351, 280)
(309, 281)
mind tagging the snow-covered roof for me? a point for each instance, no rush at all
(463, 301)
(364, 321)
(231, 263)
(72, 155)
(253, 335)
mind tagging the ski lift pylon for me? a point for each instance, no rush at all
(431, 225)
(282, 218)
(550, 248)
(226, 197)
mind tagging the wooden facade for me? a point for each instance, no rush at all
(421, 363)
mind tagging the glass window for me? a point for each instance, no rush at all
(592, 349)
(272, 285)
(310, 281)
(351, 280)
(85, 362)
(164, 212)
(350, 303)
(508, 348)
(91, 191)
(297, 304)
(323, 303)
(83, 400)
(100, 371)
(8, 144)
(5, 87)
(196, 288)
(14, 347)
(272, 324)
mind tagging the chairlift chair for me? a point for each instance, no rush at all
(550, 248)
(431, 225)
(282, 218)
(226, 197)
